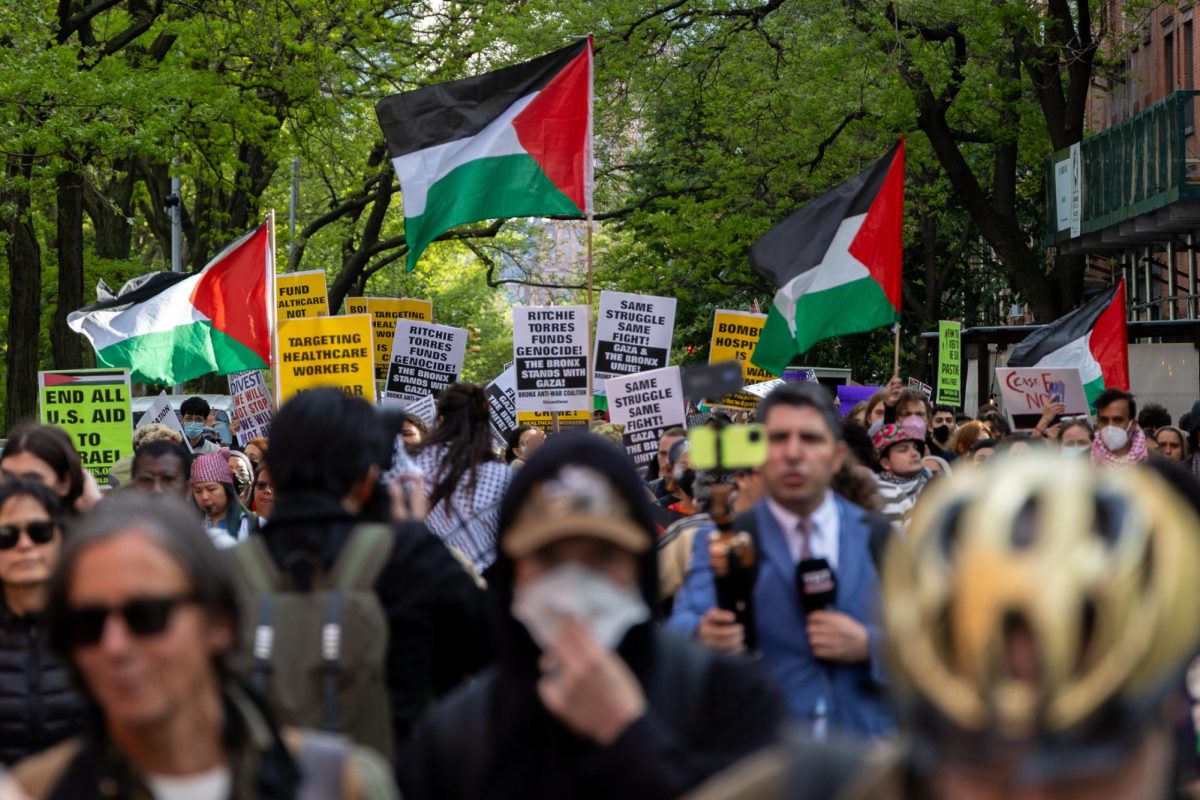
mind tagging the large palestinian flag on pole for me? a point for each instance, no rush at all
(516, 142)
(836, 263)
(171, 327)
(1091, 339)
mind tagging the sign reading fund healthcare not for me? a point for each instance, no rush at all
(734, 337)
(426, 358)
(550, 352)
(326, 351)
(633, 334)
(92, 407)
(647, 404)
(302, 294)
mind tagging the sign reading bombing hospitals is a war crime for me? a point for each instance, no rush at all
(426, 358)
(647, 404)
(326, 351)
(550, 351)
(301, 294)
(633, 334)
(734, 337)
(385, 311)
(92, 407)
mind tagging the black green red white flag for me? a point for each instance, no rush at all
(836, 263)
(515, 142)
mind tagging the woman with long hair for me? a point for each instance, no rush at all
(44, 453)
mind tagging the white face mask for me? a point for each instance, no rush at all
(1076, 450)
(608, 609)
(1114, 438)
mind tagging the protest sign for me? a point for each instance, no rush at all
(1027, 390)
(850, 396)
(647, 404)
(385, 312)
(633, 334)
(761, 390)
(426, 358)
(923, 388)
(326, 351)
(301, 294)
(251, 404)
(567, 420)
(734, 337)
(92, 406)
(502, 404)
(698, 420)
(161, 413)
(949, 380)
(550, 350)
(425, 408)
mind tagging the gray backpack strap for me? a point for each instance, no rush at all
(257, 566)
(331, 654)
(363, 557)
(263, 644)
(322, 763)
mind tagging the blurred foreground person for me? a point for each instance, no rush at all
(45, 454)
(144, 608)
(590, 698)
(1040, 614)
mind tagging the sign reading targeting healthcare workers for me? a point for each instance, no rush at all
(251, 404)
(502, 404)
(647, 404)
(92, 407)
(550, 351)
(426, 358)
(385, 312)
(633, 334)
(326, 351)
(735, 335)
(301, 294)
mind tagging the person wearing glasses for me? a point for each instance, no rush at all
(38, 706)
(264, 495)
(144, 609)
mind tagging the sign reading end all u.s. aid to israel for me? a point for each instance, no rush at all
(93, 407)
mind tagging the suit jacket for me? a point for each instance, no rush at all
(854, 696)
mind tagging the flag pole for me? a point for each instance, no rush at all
(273, 306)
(591, 402)
(896, 354)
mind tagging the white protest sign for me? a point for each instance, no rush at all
(160, 412)
(425, 408)
(251, 404)
(633, 334)
(550, 352)
(647, 404)
(502, 404)
(761, 390)
(1027, 390)
(426, 358)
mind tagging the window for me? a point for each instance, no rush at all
(1169, 60)
(1189, 64)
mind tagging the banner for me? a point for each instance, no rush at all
(567, 420)
(949, 379)
(326, 351)
(1027, 390)
(385, 312)
(502, 405)
(647, 404)
(633, 334)
(734, 336)
(92, 406)
(251, 405)
(850, 396)
(426, 358)
(161, 413)
(301, 294)
(550, 351)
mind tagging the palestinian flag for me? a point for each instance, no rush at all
(169, 327)
(836, 263)
(516, 142)
(1091, 339)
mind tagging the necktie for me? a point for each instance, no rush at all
(805, 528)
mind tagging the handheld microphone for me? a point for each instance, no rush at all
(816, 584)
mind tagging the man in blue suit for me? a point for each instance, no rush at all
(829, 663)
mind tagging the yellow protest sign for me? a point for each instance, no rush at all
(384, 312)
(734, 336)
(545, 420)
(301, 294)
(326, 351)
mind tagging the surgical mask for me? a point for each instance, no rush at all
(193, 430)
(1114, 438)
(941, 433)
(1076, 450)
(577, 591)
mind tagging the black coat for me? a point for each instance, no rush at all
(38, 705)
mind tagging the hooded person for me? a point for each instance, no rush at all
(590, 698)
(1193, 432)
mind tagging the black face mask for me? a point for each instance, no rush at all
(941, 434)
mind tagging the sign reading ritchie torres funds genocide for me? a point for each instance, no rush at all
(735, 335)
(326, 351)
(647, 404)
(426, 358)
(92, 407)
(302, 294)
(633, 334)
(550, 351)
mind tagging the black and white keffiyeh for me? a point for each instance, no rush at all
(467, 520)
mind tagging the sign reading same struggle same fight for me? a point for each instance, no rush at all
(647, 404)
(734, 337)
(385, 312)
(550, 351)
(92, 407)
(426, 358)
(633, 334)
(301, 294)
(326, 351)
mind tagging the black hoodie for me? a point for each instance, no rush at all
(495, 739)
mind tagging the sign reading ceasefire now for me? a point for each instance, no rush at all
(384, 312)
(301, 294)
(326, 351)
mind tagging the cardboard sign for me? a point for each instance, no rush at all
(502, 405)
(550, 351)
(326, 351)
(923, 388)
(633, 334)
(251, 405)
(161, 413)
(1027, 390)
(567, 420)
(385, 312)
(647, 404)
(949, 380)
(301, 294)
(426, 358)
(734, 337)
(92, 406)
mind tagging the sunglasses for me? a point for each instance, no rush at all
(38, 533)
(143, 616)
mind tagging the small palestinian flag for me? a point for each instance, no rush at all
(1091, 339)
(836, 263)
(516, 142)
(170, 327)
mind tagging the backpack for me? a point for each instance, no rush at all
(318, 657)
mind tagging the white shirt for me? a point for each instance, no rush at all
(826, 530)
(214, 784)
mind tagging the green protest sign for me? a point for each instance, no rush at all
(92, 406)
(949, 382)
